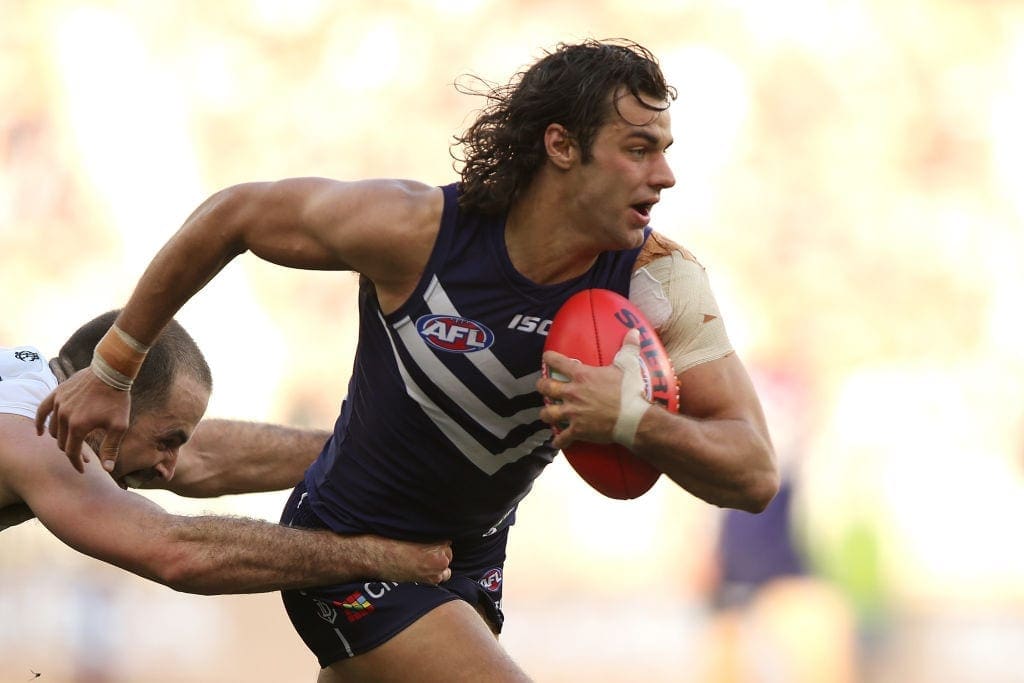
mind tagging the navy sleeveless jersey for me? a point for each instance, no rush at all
(440, 436)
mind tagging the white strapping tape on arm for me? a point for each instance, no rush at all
(675, 294)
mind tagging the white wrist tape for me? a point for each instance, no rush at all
(117, 359)
(108, 375)
(634, 394)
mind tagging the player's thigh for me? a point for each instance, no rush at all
(449, 644)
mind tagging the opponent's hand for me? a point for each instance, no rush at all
(80, 406)
(391, 560)
(596, 404)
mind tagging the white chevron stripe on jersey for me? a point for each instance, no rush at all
(446, 380)
(476, 452)
(485, 361)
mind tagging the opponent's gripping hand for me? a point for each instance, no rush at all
(597, 404)
(82, 405)
(391, 560)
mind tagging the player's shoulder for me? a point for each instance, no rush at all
(25, 380)
(14, 359)
(659, 246)
(417, 199)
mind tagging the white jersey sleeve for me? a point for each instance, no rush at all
(25, 380)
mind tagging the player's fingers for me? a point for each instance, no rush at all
(59, 429)
(632, 339)
(555, 362)
(553, 390)
(109, 447)
(628, 355)
(44, 409)
(73, 449)
(562, 439)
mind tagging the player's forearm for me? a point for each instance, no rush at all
(726, 462)
(231, 456)
(204, 244)
(216, 555)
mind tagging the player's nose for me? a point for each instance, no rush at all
(662, 176)
(165, 468)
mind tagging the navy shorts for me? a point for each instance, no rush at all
(349, 619)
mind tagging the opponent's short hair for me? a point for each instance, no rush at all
(572, 85)
(173, 352)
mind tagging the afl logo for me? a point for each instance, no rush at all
(454, 334)
(491, 581)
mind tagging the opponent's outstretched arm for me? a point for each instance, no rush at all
(308, 223)
(233, 456)
(206, 555)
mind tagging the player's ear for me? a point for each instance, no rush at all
(560, 146)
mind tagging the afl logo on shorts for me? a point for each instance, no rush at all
(454, 334)
(491, 580)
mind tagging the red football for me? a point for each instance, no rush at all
(590, 327)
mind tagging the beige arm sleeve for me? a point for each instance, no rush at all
(674, 292)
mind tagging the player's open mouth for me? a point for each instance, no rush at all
(138, 478)
(642, 211)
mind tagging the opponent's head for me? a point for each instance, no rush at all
(169, 397)
(579, 86)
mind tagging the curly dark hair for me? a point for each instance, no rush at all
(173, 351)
(572, 85)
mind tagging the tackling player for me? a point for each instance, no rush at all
(98, 516)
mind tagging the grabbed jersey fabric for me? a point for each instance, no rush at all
(25, 380)
(440, 435)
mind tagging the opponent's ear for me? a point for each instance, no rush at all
(560, 146)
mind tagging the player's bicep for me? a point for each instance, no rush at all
(719, 390)
(324, 224)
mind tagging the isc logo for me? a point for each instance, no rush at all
(529, 323)
(455, 334)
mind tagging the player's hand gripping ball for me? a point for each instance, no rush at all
(590, 327)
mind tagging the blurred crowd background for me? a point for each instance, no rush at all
(850, 172)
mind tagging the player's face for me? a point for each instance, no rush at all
(151, 445)
(627, 172)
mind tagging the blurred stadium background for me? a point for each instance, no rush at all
(851, 172)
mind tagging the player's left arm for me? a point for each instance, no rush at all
(226, 457)
(717, 446)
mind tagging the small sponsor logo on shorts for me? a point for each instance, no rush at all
(491, 580)
(325, 611)
(356, 606)
(454, 334)
(27, 356)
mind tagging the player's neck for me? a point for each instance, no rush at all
(541, 240)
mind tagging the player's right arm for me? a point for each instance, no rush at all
(384, 229)
(206, 555)
(226, 457)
